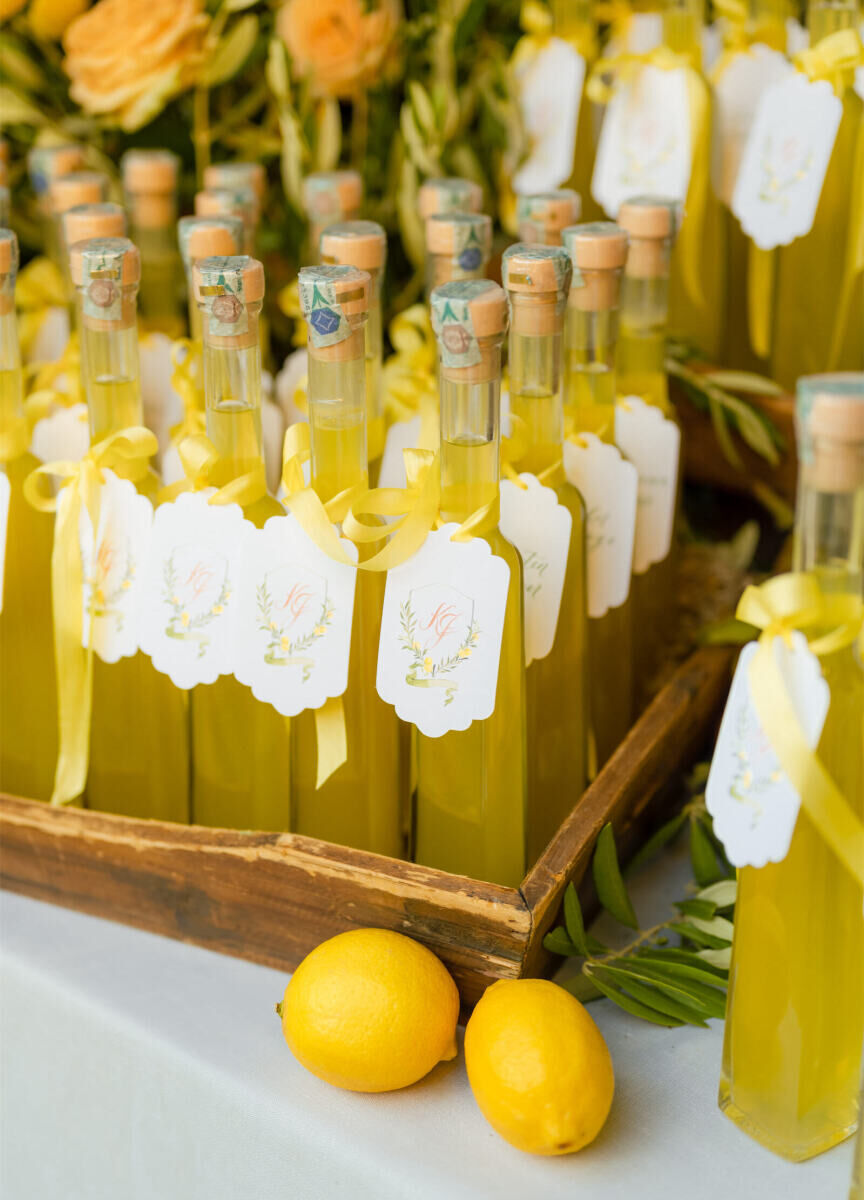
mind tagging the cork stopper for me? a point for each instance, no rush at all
(543, 216)
(360, 244)
(150, 172)
(237, 175)
(598, 252)
(335, 194)
(335, 303)
(229, 289)
(8, 270)
(830, 427)
(209, 237)
(80, 187)
(114, 259)
(87, 221)
(469, 317)
(227, 202)
(650, 223)
(537, 280)
(45, 163)
(449, 195)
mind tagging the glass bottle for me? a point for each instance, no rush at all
(470, 793)
(598, 251)
(363, 244)
(28, 698)
(574, 21)
(766, 22)
(139, 751)
(205, 237)
(795, 1013)
(70, 191)
(683, 23)
(360, 803)
(537, 279)
(458, 246)
(45, 163)
(86, 221)
(150, 190)
(543, 216)
(231, 202)
(237, 175)
(241, 747)
(329, 197)
(448, 195)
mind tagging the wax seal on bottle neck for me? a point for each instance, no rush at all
(106, 272)
(469, 317)
(449, 195)
(335, 304)
(229, 290)
(543, 216)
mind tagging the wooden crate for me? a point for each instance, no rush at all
(272, 897)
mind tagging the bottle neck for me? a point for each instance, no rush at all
(767, 22)
(829, 533)
(591, 336)
(573, 20)
(642, 346)
(337, 416)
(232, 402)
(825, 17)
(11, 379)
(110, 370)
(446, 268)
(536, 405)
(683, 22)
(374, 352)
(470, 435)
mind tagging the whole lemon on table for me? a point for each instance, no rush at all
(538, 1066)
(371, 1010)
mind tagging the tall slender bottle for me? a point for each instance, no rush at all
(150, 190)
(69, 191)
(598, 251)
(45, 163)
(329, 197)
(458, 246)
(448, 195)
(574, 21)
(766, 22)
(139, 751)
(205, 237)
(363, 244)
(543, 216)
(241, 747)
(795, 1014)
(537, 279)
(234, 175)
(86, 221)
(470, 794)
(28, 700)
(360, 804)
(231, 202)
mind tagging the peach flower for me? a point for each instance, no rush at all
(336, 45)
(127, 58)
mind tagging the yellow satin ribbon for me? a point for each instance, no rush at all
(129, 452)
(201, 463)
(514, 449)
(187, 380)
(785, 604)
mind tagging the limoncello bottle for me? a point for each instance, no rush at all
(574, 21)
(241, 747)
(329, 197)
(139, 744)
(205, 237)
(537, 279)
(363, 244)
(598, 251)
(245, 176)
(69, 191)
(28, 700)
(458, 246)
(447, 195)
(239, 202)
(45, 163)
(795, 1015)
(470, 793)
(150, 190)
(360, 803)
(86, 221)
(766, 22)
(543, 216)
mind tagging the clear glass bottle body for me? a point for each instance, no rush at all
(556, 686)
(375, 432)
(160, 297)
(470, 793)
(683, 21)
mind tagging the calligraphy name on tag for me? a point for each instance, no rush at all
(402, 435)
(5, 495)
(550, 91)
(189, 596)
(540, 528)
(609, 487)
(752, 802)
(785, 159)
(63, 435)
(652, 443)
(737, 93)
(644, 146)
(294, 613)
(112, 562)
(441, 630)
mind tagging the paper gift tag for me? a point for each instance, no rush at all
(188, 601)
(644, 147)
(540, 528)
(550, 90)
(609, 487)
(51, 337)
(441, 630)
(785, 159)
(402, 435)
(63, 435)
(5, 494)
(737, 93)
(652, 443)
(112, 565)
(294, 613)
(751, 800)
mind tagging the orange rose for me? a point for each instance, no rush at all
(127, 58)
(335, 44)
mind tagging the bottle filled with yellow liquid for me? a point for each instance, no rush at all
(205, 237)
(239, 201)
(360, 804)
(537, 279)
(67, 192)
(795, 1015)
(363, 244)
(328, 198)
(28, 700)
(86, 221)
(458, 246)
(45, 163)
(241, 747)
(543, 216)
(471, 785)
(598, 251)
(139, 744)
(150, 191)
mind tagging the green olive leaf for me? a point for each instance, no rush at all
(705, 866)
(722, 894)
(608, 881)
(619, 997)
(574, 921)
(231, 52)
(557, 941)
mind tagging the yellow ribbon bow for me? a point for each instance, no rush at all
(202, 465)
(80, 490)
(187, 380)
(788, 603)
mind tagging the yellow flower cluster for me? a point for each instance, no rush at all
(335, 45)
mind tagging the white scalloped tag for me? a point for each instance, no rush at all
(550, 91)
(738, 90)
(402, 435)
(63, 435)
(652, 443)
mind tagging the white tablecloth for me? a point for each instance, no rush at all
(137, 1068)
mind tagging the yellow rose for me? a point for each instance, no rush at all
(335, 44)
(8, 8)
(127, 58)
(49, 18)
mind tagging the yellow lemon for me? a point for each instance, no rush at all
(371, 1011)
(538, 1066)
